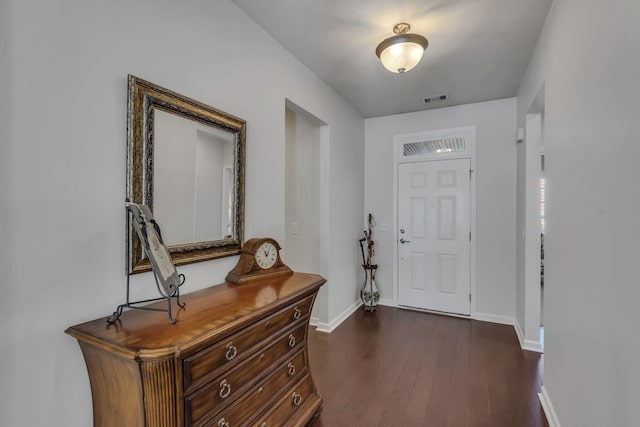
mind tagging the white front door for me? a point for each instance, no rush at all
(434, 235)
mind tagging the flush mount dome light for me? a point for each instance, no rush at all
(402, 52)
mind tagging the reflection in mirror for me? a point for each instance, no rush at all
(193, 180)
(185, 161)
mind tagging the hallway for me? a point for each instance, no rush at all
(374, 371)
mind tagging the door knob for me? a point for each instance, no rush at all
(405, 241)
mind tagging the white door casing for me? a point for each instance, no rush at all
(434, 235)
(435, 145)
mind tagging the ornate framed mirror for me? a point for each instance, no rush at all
(186, 161)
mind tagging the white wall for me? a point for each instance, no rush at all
(495, 123)
(66, 147)
(587, 58)
(346, 199)
(520, 235)
(6, 133)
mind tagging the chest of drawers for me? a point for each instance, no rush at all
(237, 356)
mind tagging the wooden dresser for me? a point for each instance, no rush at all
(237, 356)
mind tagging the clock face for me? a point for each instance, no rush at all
(266, 255)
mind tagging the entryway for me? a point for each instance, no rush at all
(434, 185)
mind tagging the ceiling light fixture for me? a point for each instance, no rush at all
(402, 52)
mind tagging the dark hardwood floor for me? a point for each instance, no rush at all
(405, 368)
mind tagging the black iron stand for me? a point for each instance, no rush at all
(174, 291)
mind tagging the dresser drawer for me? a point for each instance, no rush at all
(285, 409)
(223, 354)
(226, 387)
(288, 341)
(256, 399)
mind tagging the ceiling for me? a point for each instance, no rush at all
(478, 49)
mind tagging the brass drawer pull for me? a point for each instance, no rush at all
(225, 389)
(223, 423)
(296, 313)
(291, 370)
(292, 340)
(297, 399)
(264, 424)
(232, 350)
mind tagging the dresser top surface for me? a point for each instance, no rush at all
(215, 311)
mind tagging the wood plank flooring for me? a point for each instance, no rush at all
(405, 368)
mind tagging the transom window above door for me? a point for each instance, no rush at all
(439, 146)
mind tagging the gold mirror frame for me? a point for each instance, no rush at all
(143, 98)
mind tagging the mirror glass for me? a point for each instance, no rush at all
(193, 180)
(186, 162)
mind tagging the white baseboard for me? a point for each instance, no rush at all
(494, 318)
(329, 327)
(519, 333)
(532, 346)
(547, 407)
(313, 321)
(527, 344)
(483, 317)
(387, 302)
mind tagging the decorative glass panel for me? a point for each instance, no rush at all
(450, 145)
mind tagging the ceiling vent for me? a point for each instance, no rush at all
(437, 98)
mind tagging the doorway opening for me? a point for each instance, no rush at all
(434, 221)
(306, 199)
(543, 186)
(532, 190)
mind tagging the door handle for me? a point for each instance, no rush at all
(405, 241)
